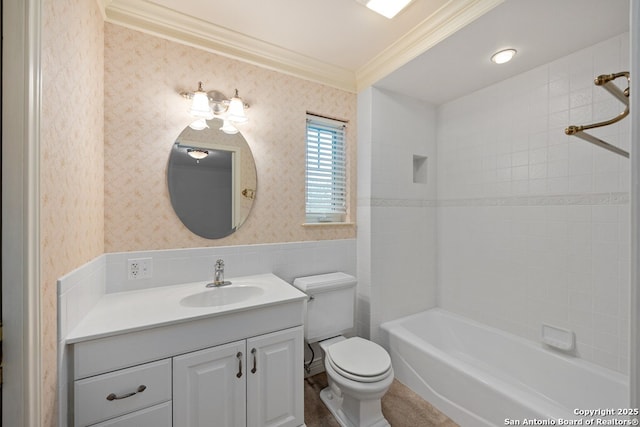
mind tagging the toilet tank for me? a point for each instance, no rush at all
(330, 309)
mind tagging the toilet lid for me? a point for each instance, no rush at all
(360, 357)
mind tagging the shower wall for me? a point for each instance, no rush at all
(396, 208)
(533, 225)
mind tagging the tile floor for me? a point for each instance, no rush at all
(400, 406)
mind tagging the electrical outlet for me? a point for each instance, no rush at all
(139, 268)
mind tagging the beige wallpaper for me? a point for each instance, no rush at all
(71, 160)
(144, 114)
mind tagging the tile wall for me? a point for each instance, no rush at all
(533, 225)
(396, 208)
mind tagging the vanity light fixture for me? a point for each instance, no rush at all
(503, 56)
(386, 8)
(205, 105)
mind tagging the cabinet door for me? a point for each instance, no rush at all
(209, 387)
(275, 379)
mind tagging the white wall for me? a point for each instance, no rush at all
(635, 212)
(533, 225)
(396, 216)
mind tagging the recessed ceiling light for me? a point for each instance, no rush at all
(386, 8)
(503, 56)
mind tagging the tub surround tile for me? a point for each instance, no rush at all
(563, 223)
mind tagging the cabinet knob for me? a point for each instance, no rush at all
(113, 396)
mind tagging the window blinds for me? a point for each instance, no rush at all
(326, 183)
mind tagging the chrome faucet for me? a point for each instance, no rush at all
(218, 275)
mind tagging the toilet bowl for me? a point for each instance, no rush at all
(358, 371)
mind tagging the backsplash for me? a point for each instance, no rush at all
(79, 290)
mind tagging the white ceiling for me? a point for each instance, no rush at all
(339, 32)
(540, 30)
(336, 42)
(434, 50)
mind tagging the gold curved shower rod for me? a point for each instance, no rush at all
(606, 81)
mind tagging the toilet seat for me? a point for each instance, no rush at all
(359, 360)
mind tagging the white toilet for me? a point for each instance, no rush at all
(359, 372)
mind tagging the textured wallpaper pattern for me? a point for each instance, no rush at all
(71, 160)
(144, 114)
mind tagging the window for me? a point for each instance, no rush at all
(326, 177)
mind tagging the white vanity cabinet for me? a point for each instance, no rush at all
(254, 382)
(152, 362)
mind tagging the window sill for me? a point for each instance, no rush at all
(327, 224)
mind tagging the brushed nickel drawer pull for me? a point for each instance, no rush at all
(113, 396)
(239, 356)
(255, 358)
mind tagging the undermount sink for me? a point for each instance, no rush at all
(224, 295)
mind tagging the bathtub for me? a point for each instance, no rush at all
(482, 376)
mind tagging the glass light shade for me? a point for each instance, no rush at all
(228, 128)
(387, 8)
(197, 154)
(503, 56)
(200, 106)
(235, 112)
(199, 124)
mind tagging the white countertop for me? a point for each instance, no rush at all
(123, 312)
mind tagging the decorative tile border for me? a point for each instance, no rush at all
(619, 198)
(398, 203)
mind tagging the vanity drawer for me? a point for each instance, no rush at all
(156, 416)
(117, 393)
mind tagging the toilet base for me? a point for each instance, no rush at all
(334, 404)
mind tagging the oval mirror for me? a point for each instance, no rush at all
(212, 180)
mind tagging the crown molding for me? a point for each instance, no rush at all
(438, 26)
(145, 16)
(163, 22)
